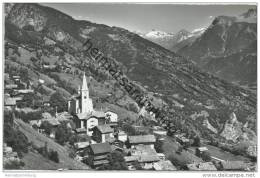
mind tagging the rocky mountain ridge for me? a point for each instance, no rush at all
(227, 47)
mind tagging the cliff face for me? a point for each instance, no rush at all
(235, 131)
(161, 74)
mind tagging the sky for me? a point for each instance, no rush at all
(143, 18)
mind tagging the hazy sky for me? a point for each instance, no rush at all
(145, 17)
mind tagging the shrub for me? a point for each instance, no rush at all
(54, 156)
(26, 117)
(15, 164)
(206, 156)
(14, 138)
(158, 146)
(63, 134)
(49, 154)
(57, 100)
(196, 141)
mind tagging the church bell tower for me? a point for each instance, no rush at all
(86, 102)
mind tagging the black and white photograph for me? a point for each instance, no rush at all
(129, 86)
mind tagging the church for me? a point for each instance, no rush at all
(81, 107)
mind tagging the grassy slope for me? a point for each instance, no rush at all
(39, 140)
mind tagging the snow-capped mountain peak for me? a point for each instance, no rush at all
(157, 34)
(198, 30)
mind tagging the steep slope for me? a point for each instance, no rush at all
(39, 140)
(223, 47)
(158, 72)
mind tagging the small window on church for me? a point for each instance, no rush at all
(85, 97)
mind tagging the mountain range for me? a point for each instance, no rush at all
(171, 41)
(225, 48)
(35, 34)
(228, 48)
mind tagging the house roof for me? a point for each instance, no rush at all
(53, 122)
(100, 157)
(78, 130)
(122, 133)
(207, 166)
(11, 86)
(141, 139)
(143, 150)
(80, 145)
(96, 114)
(24, 91)
(203, 149)
(164, 166)
(142, 158)
(105, 129)
(108, 110)
(35, 122)
(100, 148)
(233, 165)
(63, 116)
(130, 158)
(99, 162)
(47, 115)
(161, 154)
(148, 158)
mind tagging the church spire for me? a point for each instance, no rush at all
(84, 83)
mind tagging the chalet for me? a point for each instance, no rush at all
(233, 165)
(111, 116)
(117, 148)
(182, 139)
(141, 140)
(80, 146)
(145, 161)
(121, 136)
(53, 124)
(201, 150)
(49, 66)
(103, 133)
(16, 78)
(24, 91)
(46, 101)
(143, 150)
(10, 103)
(207, 166)
(36, 124)
(41, 81)
(9, 155)
(98, 154)
(89, 120)
(130, 160)
(159, 131)
(9, 87)
(164, 166)
(63, 117)
(80, 131)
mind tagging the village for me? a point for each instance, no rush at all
(100, 139)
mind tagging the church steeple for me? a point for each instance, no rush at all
(84, 83)
(86, 102)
